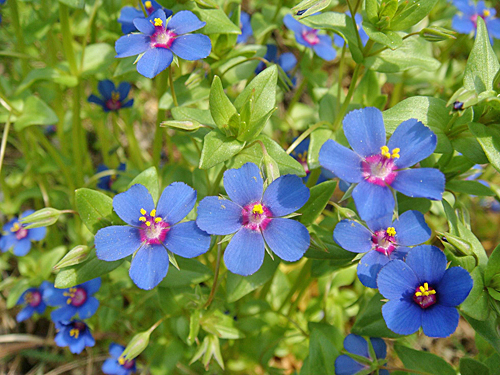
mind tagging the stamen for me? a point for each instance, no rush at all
(153, 213)
(148, 224)
(395, 153)
(391, 231)
(148, 4)
(158, 22)
(121, 360)
(486, 13)
(143, 211)
(142, 218)
(157, 219)
(115, 96)
(257, 209)
(15, 227)
(74, 332)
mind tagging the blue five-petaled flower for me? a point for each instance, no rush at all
(117, 364)
(466, 21)
(17, 236)
(246, 28)
(151, 231)
(378, 167)
(382, 241)
(354, 344)
(286, 61)
(106, 182)
(128, 14)
(159, 41)
(255, 216)
(423, 293)
(32, 300)
(75, 334)
(113, 98)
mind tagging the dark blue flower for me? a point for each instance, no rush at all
(32, 300)
(383, 241)
(74, 334)
(106, 182)
(339, 41)
(287, 61)
(50, 130)
(129, 14)
(354, 344)
(423, 293)
(158, 41)
(466, 21)
(255, 216)
(151, 232)
(378, 167)
(17, 236)
(117, 365)
(75, 300)
(246, 28)
(309, 37)
(113, 98)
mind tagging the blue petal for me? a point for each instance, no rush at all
(287, 61)
(440, 321)
(345, 365)
(397, 280)
(187, 240)
(494, 27)
(154, 61)
(294, 25)
(22, 247)
(37, 234)
(465, 6)
(116, 350)
(246, 28)
(369, 267)
(92, 286)
(60, 340)
(7, 241)
(480, 7)
(127, 16)
(132, 45)
(88, 308)
(372, 200)
(7, 226)
(128, 104)
(176, 201)
(285, 195)
(462, 24)
(149, 266)
(244, 185)
(128, 205)
(271, 53)
(415, 140)
(184, 22)
(420, 183)
(41, 307)
(353, 236)
(411, 229)
(287, 238)
(402, 317)
(219, 216)
(192, 47)
(379, 223)
(341, 161)
(355, 344)
(76, 346)
(144, 26)
(428, 263)
(25, 313)
(379, 347)
(123, 89)
(106, 88)
(110, 367)
(338, 40)
(116, 242)
(454, 287)
(245, 252)
(95, 99)
(54, 296)
(89, 340)
(324, 48)
(365, 131)
(63, 313)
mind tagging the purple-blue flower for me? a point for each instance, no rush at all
(113, 98)
(378, 166)
(423, 293)
(354, 344)
(78, 299)
(106, 182)
(151, 231)
(129, 14)
(74, 334)
(287, 61)
(32, 300)
(117, 365)
(466, 21)
(382, 241)
(157, 42)
(339, 41)
(309, 37)
(17, 236)
(246, 28)
(256, 216)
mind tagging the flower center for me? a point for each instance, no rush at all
(302, 159)
(76, 296)
(256, 216)
(33, 298)
(162, 38)
(379, 169)
(311, 36)
(78, 327)
(153, 228)
(127, 364)
(114, 103)
(19, 231)
(424, 296)
(383, 241)
(149, 7)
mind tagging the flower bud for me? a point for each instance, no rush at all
(437, 34)
(41, 218)
(187, 125)
(75, 256)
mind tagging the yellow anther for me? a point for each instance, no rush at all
(157, 219)
(419, 294)
(391, 231)
(426, 286)
(158, 22)
(148, 4)
(153, 213)
(395, 153)
(486, 13)
(121, 360)
(257, 209)
(74, 332)
(384, 150)
(115, 96)
(15, 227)
(148, 224)
(68, 301)
(142, 218)
(143, 211)
(422, 289)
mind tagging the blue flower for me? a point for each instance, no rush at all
(255, 216)
(17, 236)
(151, 232)
(378, 167)
(354, 344)
(423, 293)
(113, 98)
(309, 37)
(158, 41)
(129, 14)
(106, 182)
(75, 300)
(246, 28)
(287, 61)
(383, 241)
(339, 41)
(117, 365)
(74, 334)
(32, 300)
(466, 21)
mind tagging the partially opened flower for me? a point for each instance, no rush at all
(246, 28)
(117, 365)
(339, 41)
(158, 41)
(357, 345)
(256, 216)
(128, 14)
(113, 98)
(74, 334)
(465, 22)
(423, 293)
(151, 231)
(382, 241)
(32, 300)
(286, 61)
(75, 300)
(19, 238)
(310, 38)
(106, 182)
(378, 166)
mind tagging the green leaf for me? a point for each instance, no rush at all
(489, 139)
(202, 116)
(309, 7)
(218, 148)
(423, 361)
(467, 144)
(469, 187)
(328, 249)
(387, 38)
(318, 138)
(493, 266)
(98, 57)
(95, 209)
(487, 329)
(482, 65)
(476, 304)
(318, 199)
(469, 366)
(221, 325)
(370, 321)
(79, 4)
(149, 179)
(217, 22)
(35, 112)
(221, 107)
(189, 90)
(325, 344)
(191, 271)
(46, 74)
(412, 14)
(19, 287)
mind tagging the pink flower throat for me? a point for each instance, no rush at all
(383, 242)
(162, 37)
(256, 216)
(379, 169)
(311, 36)
(425, 296)
(33, 298)
(19, 231)
(153, 229)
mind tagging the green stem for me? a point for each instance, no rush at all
(161, 83)
(341, 73)
(172, 88)
(215, 186)
(19, 33)
(3, 146)
(306, 269)
(77, 135)
(216, 277)
(134, 149)
(97, 3)
(5, 102)
(67, 38)
(296, 96)
(100, 129)
(353, 12)
(304, 135)
(348, 97)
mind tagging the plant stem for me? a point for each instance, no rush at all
(3, 146)
(216, 277)
(19, 33)
(306, 268)
(348, 97)
(67, 38)
(97, 3)
(172, 88)
(304, 135)
(161, 82)
(341, 73)
(100, 129)
(77, 133)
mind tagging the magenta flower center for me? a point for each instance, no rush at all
(33, 298)
(19, 231)
(162, 37)
(379, 169)
(425, 296)
(256, 216)
(383, 241)
(114, 103)
(76, 296)
(311, 36)
(153, 229)
(302, 159)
